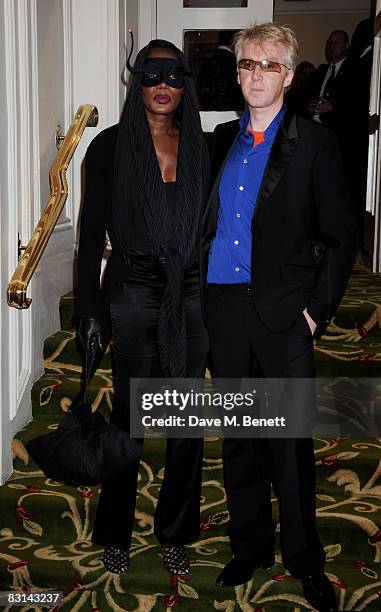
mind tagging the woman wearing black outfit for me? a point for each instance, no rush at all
(146, 183)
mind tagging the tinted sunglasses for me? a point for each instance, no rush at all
(265, 65)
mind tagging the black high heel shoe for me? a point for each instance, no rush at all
(175, 559)
(116, 560)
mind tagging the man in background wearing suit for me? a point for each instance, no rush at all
(277, 246)
(326, 89)
(337, 95)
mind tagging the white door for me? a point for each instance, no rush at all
(176, 19)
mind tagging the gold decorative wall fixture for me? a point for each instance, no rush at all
(86, 116)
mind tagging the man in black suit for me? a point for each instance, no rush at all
(337, 95)
(327, 89)
(277, 246)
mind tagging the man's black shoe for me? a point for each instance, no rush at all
(238, 572)
(319, 592)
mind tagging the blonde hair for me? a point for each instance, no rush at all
(268, 32)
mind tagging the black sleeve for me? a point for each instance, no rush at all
(337, 231)
(90, 301)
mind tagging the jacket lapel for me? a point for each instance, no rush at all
(209, 221)
(342, 69)
(282, 151)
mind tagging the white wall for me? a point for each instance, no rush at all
(312, 31)
(51, 58)
(53, 276)
(96, 70)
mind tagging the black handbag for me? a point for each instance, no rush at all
(85, 449)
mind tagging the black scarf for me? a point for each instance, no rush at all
(141, 215)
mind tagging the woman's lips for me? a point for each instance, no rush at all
(162, 99)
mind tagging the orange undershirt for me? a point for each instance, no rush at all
(258, 137)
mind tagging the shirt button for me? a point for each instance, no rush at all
(241, 187)
(238, 215)
(236, 242)
(237, 269)
(245, 161)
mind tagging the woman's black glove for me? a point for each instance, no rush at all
(90, 335)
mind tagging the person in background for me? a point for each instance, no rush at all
(217, 85)
(277, 247)
(294, 95)
(356, 111)
(343, 106)
(323, 92)
(146, 184)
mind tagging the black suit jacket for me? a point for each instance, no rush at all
(303, 228)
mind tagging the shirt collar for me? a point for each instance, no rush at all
(270, 131)
(337, 65)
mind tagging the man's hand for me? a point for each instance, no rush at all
(320, 106)
(311, 323)
(90, 334)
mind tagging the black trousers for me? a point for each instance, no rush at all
(134, 315)
(241, 346)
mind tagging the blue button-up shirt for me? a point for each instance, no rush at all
(230, 253)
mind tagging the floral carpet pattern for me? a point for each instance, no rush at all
(45, 526)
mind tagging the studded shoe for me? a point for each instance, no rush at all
(116, 560)
(175, 559)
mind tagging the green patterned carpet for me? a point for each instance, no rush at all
(45, 526)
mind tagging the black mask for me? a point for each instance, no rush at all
(158, 70)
